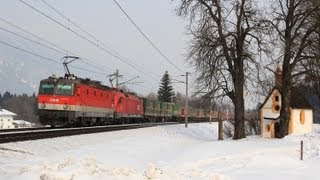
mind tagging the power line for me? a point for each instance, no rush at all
(85, 60)
(59, 23)
(29, 52)
(31, 34)
(72, 22)
(45, 58)
(86, 32)
(91, 42)
(36, 42)
(146, 37)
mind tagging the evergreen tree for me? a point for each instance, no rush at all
(166, 93)
(6, 96)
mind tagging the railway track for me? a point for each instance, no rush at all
(23, 129)
(43, 133)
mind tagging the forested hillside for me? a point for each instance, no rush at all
(23, 105)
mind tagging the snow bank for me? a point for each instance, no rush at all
(169, 152)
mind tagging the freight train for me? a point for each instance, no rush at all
(74, 101)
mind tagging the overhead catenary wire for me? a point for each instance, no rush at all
(31, 34)
(72, 22)
(45, 58)
(146, 37)
(87, 33)
(82, 29)
(55, 47)
(36, 42)
(85, 60)
(88, 40)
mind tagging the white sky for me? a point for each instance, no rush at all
(106, 22)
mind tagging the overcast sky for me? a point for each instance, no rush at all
(105, 21)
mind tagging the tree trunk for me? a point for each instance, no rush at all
(239, 130)
(220, 126)
(285, 111)
(285, 98)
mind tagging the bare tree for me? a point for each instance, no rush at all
(226, 36)
(313, 74)
(152, 95)
(313, 67)
(295, 25)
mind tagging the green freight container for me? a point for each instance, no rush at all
(152, 108)
(166, 109)
(176, 110)
(157, 108)
(170, 109)
(163, 109)
(148, 106)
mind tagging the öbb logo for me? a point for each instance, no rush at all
(53, 100)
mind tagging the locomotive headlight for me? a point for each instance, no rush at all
(65, 106)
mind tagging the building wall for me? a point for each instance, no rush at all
(6, 122)
(270, 110)
(301, 121)
(267, 128)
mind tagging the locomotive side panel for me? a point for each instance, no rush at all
(93, 102)
(128, 106)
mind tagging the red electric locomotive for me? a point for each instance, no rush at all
(74, 101)
(128, 107)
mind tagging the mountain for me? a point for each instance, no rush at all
(22, 73)
(16, 77)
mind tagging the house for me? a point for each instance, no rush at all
(301, 113)
(6, 119)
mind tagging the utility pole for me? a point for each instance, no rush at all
(115, 76)
(117, 79)
(186, 107)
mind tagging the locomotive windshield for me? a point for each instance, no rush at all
(64, 89)
(46, 88)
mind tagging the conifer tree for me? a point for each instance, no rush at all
(166, 93)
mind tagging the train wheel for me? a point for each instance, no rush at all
(98, 122)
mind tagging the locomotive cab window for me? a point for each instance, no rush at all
(64, 89)
(46, 88)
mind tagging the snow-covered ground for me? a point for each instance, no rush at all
(167, 152)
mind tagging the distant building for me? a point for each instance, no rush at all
(301, 113)
(6, 119)
(22, 124)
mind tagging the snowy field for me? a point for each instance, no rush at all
(169, 152)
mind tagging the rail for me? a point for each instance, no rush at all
(33, 134)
